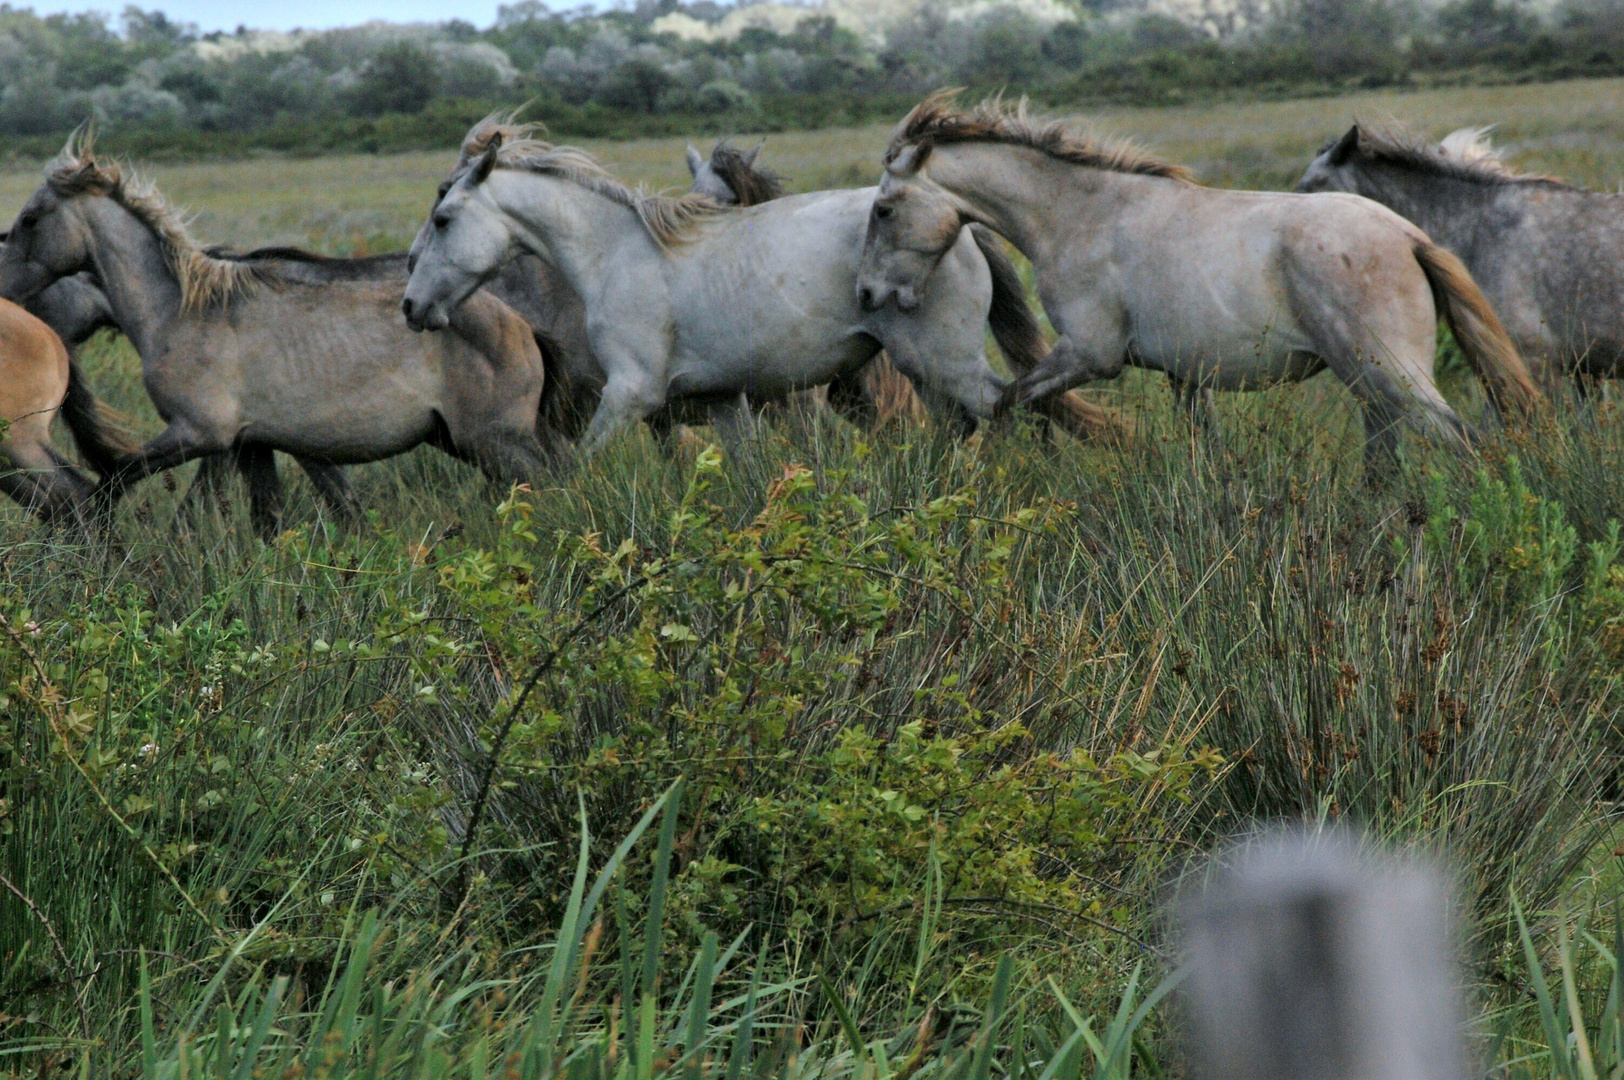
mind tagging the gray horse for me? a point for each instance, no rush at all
(76, 308)
(1549, 257)
(731, 177)
(1232, 290)
(335, 376)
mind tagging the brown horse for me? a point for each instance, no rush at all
(34, 374)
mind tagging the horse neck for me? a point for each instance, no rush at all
(1037, 202)
(574, 229)
(1448, 209)
(135, 274)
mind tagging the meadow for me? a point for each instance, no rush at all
(862, 754)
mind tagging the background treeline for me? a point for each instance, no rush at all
(155, 86)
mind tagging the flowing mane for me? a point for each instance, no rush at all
(669, 219)
(939, 119)
(1466, 154)
(205, 278)
(751, 185)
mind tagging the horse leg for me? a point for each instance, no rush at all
(735, 424)
(510, 457)
(39, 479)
(332, 485)
(631, 394)
(662, 424)
(257, 463)
(175, 445)
(208, 486)
(1587, 384)
(1197, 402)
(1381, 442)
(851, 400)
(1381, 346)
(945, 361)
(1071, 363)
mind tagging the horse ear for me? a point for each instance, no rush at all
(750, 155)
(911, 159)
(1345, 147)
(487, 160)
(694, 160)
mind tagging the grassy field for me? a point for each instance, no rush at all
(345, 205)
(948, 718)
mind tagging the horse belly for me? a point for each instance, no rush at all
(793, 362)
(1226, 331)
(798, 332)
(354, 409)
(1250, 360)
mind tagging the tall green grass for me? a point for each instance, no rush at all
(228, 753)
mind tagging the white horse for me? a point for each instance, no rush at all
(1230, 290)
(689, 300)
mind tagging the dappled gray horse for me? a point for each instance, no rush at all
(299, 356)
(1136, 263)
(1549, 256)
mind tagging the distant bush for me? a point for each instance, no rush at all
(401, 79)
(159, 87)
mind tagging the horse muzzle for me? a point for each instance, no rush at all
(873, 298)
(420, 316)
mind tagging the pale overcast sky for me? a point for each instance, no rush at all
(312, 14)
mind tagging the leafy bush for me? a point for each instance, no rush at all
(746, 659)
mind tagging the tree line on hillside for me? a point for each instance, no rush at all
(151, 82)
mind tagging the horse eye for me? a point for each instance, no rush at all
(882, 212)
(442, 220)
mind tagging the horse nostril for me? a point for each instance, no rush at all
(865, 296)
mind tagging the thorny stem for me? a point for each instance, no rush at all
(61, 953)
(476, 812)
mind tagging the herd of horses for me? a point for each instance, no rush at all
(565, 305)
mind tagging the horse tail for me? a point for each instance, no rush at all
(1021, 340)
(555, 422)
(101, 432)
(1477, 329)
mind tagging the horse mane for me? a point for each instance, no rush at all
(205, 279)
(753, 186)
(939, 119)
(1465, 154)
(293, 265)
(669, 219)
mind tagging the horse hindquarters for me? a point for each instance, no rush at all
(1369, 315)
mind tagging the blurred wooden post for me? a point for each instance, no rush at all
(1311, 960)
